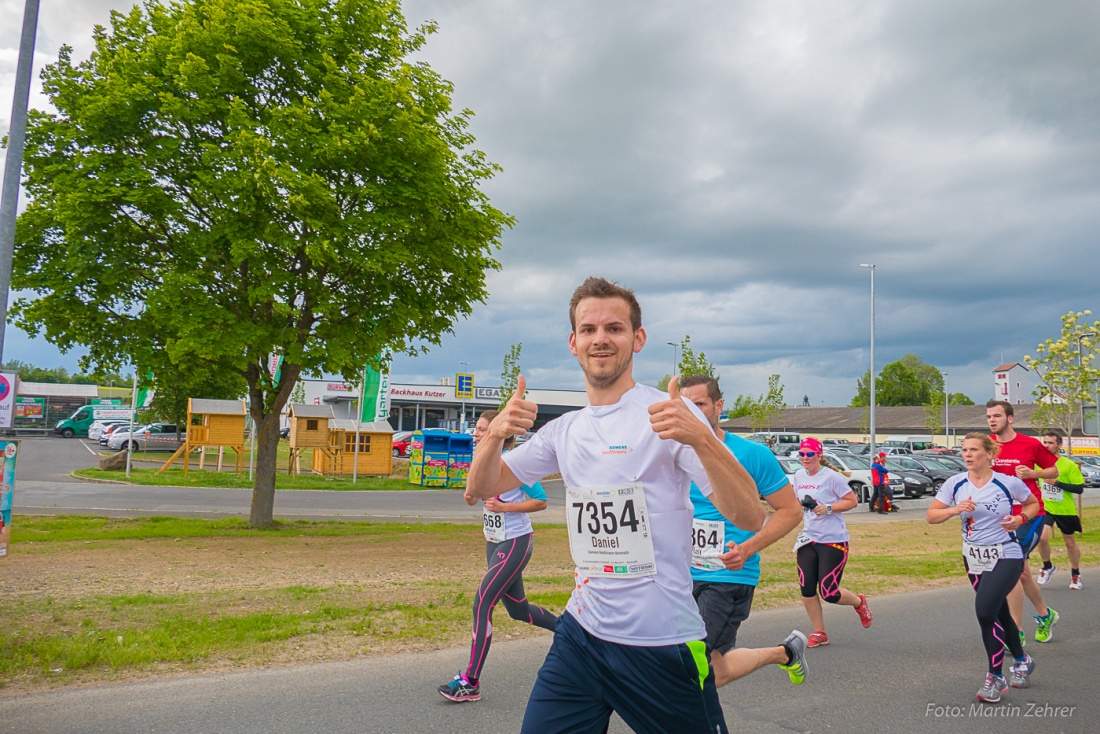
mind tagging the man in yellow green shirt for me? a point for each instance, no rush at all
(1058, 499)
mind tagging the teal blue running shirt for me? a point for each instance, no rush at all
(764, 469)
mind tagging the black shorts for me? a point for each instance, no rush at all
(1068, 524)
(1030, 533)
(723, 608)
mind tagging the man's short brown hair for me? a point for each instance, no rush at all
(713, 392)
(1003, 403)
(1055, 435)
(595, 287)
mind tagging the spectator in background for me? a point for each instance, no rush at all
(880, 479)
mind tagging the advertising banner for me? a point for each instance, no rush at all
(375, 397)
(33, 408)
(7, 398)
(8, 451)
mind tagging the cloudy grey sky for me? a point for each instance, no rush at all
(735, 162)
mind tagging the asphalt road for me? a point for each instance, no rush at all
(44, 486)
(916, 670)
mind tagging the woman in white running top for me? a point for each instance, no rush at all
(509, 541)
(822, 546)
(986, 504)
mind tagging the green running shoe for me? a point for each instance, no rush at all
(1046, 626)
(795, 645)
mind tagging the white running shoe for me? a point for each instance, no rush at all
(1075, 583)
(1045, 574)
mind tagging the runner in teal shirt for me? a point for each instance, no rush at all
(725, 559)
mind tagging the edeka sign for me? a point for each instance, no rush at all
(7, 398)
(8, 451)
(487, 393)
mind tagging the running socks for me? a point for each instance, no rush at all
(1047, 565)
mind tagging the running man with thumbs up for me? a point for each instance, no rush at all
(631, 640)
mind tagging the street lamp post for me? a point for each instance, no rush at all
(946, 419)
(871, 266)
(13, 163)
(675, 357)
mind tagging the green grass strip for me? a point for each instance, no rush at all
(228, 480)
(67, 528)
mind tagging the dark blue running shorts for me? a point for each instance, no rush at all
(1030, 533)
(669, 688)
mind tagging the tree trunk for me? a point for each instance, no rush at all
(263, 491)
(266, 419)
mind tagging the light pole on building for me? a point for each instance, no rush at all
(871, 266)
(462, 418)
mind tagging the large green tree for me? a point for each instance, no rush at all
(908, 381)
(227, 179)
(1067, 367)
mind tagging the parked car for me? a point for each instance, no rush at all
(1087, 459)
(859, 476)
(525, 437)
(97, 428)
(913, 443)
(105, 437)
(153, 437)
(915, 485)
(926, 465)
(284, 432)
(1090, 469)
(402, 443)
(951, 461)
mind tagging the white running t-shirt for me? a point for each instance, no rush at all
(607, 445)
(827, 488)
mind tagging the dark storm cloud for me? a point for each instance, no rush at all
(736, 162)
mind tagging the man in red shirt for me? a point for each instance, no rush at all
(1019, 456)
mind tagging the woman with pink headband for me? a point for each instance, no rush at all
(822, 546)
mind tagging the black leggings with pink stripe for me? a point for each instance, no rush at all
(820, 567)
(999, 630)
(503, 581)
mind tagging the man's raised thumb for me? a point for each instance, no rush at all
(521, 388)
(674, 388)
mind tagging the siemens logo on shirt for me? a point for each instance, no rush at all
(618, 450)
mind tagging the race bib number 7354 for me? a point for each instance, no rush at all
(609, 532)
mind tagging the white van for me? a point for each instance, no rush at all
(913, 443)
(783, 443)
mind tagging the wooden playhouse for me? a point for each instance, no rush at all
(375, 457)
(213, 424)
(311, 428)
